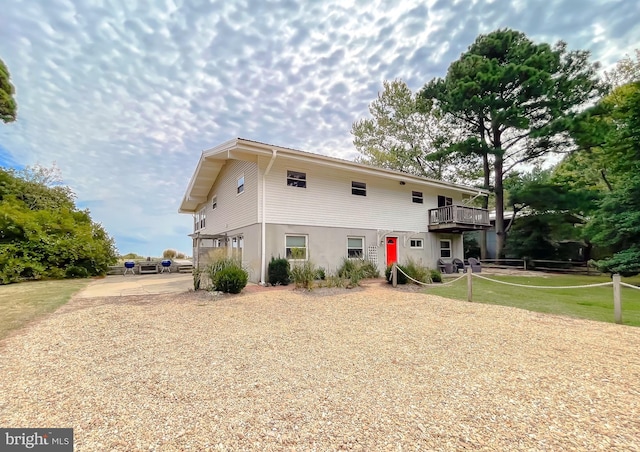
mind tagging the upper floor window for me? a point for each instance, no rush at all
(355, 247)
(214, 203)
(200, 220)
(444, 201)
(241, 184)
(296, 179)
(416, 196)
(359, 188)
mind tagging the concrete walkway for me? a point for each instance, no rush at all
(116, 286)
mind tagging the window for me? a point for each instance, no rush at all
(444, 201)
(445, 248)
(200, 220)
(359, 188)
(355, 247)
(296, 179)
(296, 247)
(241, 184)
(416, 196)
(416, 243)
(214, 203)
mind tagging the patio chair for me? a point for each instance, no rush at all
(445, 267)
(458, 265)
(475, 265)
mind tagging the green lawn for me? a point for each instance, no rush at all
(24, 302)
(595, 303)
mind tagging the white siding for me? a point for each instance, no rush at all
(327, 200)
(233, 210)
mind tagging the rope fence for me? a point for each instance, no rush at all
(616, 283)
(584, 286)
(423, 283)
(630, 286)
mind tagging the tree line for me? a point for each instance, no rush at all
(42, 232)
(508, 102)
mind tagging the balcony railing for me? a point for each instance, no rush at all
(458, 218)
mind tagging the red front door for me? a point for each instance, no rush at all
(392, 250)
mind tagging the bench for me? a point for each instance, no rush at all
(147, 268)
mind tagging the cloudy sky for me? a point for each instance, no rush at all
(123, 95)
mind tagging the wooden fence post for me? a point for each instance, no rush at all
(394, 275)
(617, 301)
(469, 284)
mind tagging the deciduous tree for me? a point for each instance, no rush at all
(404, 135)
(43, 234)
(616, 224)
(626, 71)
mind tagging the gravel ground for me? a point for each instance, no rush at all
(370, 369)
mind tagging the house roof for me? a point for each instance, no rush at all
(212, 160)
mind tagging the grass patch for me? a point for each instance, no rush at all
(24, 302)
(594, 303)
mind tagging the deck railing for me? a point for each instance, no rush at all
(459, 215)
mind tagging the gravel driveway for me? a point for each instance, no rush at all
(369, 369)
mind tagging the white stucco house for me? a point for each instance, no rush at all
(261, 201)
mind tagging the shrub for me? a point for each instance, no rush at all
(75, 271)
(350, 270)
(417, 271)
(357, 269)
(55, 273)
(402, 279)
(347, 268)
(219, 265)
(303, 274)
(197, 274)
(131, 256)
(35, 270)
(335, 281)
(230, 279)
(436, 276)
(369, 269)
(10, 266)
(227, 275)
(279, 271)
(169, 254)
(320, 273)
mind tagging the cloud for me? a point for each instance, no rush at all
(124, 96)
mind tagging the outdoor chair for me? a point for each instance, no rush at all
(458, 265)
(475, 265)
(445, 267)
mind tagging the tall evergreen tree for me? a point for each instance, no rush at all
(8, 108)
(513, 101)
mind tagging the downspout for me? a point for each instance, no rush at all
(263, 269)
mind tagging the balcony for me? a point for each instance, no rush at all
(458, 219)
